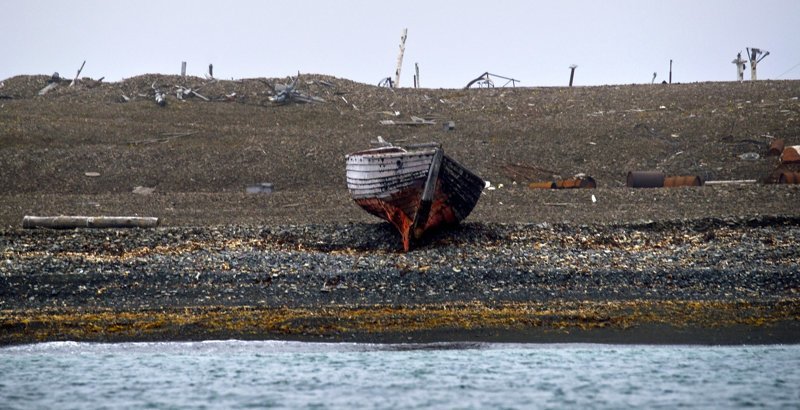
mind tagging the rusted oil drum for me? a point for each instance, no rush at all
(645, 179)
(685, 180)
(542, 185)
(775, 147)
(789, 178)
(791, 155)
(574, 183)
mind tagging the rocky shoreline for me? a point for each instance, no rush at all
(710, 264)
(691, 279)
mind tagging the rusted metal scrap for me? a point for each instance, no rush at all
(577, 182)
(775, 147)
(682, 180)
(657, 179)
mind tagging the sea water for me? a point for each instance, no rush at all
(295, 375)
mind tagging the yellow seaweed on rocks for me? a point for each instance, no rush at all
(191, 323)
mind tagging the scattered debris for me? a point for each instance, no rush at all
(262, 188)
(91, 174)
(449, 126)
(750, 156)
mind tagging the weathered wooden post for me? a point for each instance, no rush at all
(670, 71)
(754, 60)
(572, 73)
(183, 68)
(739, 67)
(400, 58)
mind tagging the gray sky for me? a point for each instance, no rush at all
(611, 41)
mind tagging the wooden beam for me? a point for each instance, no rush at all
(70, 222)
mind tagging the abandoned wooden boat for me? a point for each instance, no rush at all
(416, 187)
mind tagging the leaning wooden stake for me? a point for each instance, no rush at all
(74, 80)
(69, 222)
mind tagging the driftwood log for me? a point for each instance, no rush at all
(69, 222)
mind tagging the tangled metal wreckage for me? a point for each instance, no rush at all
(288, 93)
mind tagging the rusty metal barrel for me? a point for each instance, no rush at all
(575, 183)
(684, 180)
(775, 147)
(645, 179)
(789, 178)
(542, 185)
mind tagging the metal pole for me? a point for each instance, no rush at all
(183, 68)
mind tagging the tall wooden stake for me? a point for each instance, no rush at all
(400, 58)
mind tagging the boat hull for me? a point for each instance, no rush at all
(415, 190)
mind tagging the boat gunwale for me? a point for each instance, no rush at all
(375, 153)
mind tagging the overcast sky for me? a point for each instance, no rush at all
(611, 41)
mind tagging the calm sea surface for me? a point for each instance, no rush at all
(271, 374)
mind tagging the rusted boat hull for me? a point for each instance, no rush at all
(414, 189)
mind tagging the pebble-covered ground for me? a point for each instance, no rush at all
(710, 264)
(729, 262)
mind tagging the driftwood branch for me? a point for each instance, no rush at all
(69, 222)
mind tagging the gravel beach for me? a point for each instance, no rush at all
(713, 264)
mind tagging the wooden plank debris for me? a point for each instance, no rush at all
(414, 122)
(71, 222)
